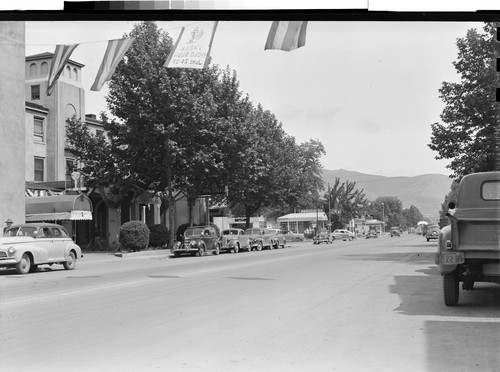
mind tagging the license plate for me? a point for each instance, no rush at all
(452, 258)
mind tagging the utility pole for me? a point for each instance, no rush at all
(329, 212)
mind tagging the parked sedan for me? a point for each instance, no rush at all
(260, 237)
(395, 231)
(278, 238)
(29, 245)
(371, 234)
(235, 240)
(198, 241)
(342, 234)
(323, 237)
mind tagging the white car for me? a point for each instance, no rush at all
(28, 245)
(342, 234)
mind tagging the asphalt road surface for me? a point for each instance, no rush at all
(365, 305)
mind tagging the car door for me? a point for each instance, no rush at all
(52, 249)
(59, 241)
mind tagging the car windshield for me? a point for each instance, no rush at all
(193, 232)
(252, 231)
(229, 232)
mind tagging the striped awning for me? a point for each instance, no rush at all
(58, 207)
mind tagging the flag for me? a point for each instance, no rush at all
(61, 56)
(286, 35)
(114, 53)
(192, 49)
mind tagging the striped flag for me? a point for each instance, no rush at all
(192, 49)
(286, 35)
(61, 56)
(114, 53)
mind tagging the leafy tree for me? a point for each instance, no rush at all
(451, 196)
(344, 201)
(470, 117)
(412, 216)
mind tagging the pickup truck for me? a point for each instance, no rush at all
(469, 247)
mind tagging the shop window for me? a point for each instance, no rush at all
(39, 169)
(35, 92)
(38, 131)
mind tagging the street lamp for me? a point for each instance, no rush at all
(383, 219)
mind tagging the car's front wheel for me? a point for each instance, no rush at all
(200, 252)
(70, 262)
(259, 246)
(451, 288)
(236, 248)
(24, 265)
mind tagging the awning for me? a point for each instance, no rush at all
(58, 207)
(309, 216)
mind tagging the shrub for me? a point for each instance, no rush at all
(158, 236)
(134, 235)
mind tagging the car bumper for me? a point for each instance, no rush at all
(8, 262)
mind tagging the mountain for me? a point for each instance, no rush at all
(426, 192)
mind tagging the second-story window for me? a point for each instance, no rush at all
(39, 169)
(38, 131)
(70, 168)
(35, 92)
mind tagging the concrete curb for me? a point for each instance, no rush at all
(156, 252)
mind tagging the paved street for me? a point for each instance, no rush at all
(366, 305)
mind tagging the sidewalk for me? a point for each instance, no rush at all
(109, 255)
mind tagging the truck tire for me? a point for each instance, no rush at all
(451, 288)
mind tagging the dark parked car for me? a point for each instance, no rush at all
(198, 241)
(371, 234)
(432, 232)
(395, 231)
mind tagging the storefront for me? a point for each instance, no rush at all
(71, 211)
(298, 223)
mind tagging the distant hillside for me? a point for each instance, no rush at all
(426, 192)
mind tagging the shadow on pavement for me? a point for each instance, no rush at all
(423, 295)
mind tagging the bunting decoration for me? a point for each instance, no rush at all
(286, 35)
(114, 53)
(192, 49)
(61, 56)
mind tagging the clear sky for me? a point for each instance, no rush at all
(367, 90)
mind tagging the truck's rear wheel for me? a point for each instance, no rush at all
(450, 288)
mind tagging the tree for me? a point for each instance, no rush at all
(451, 196)
(344, 201)
(470, 117)
(412, 216)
